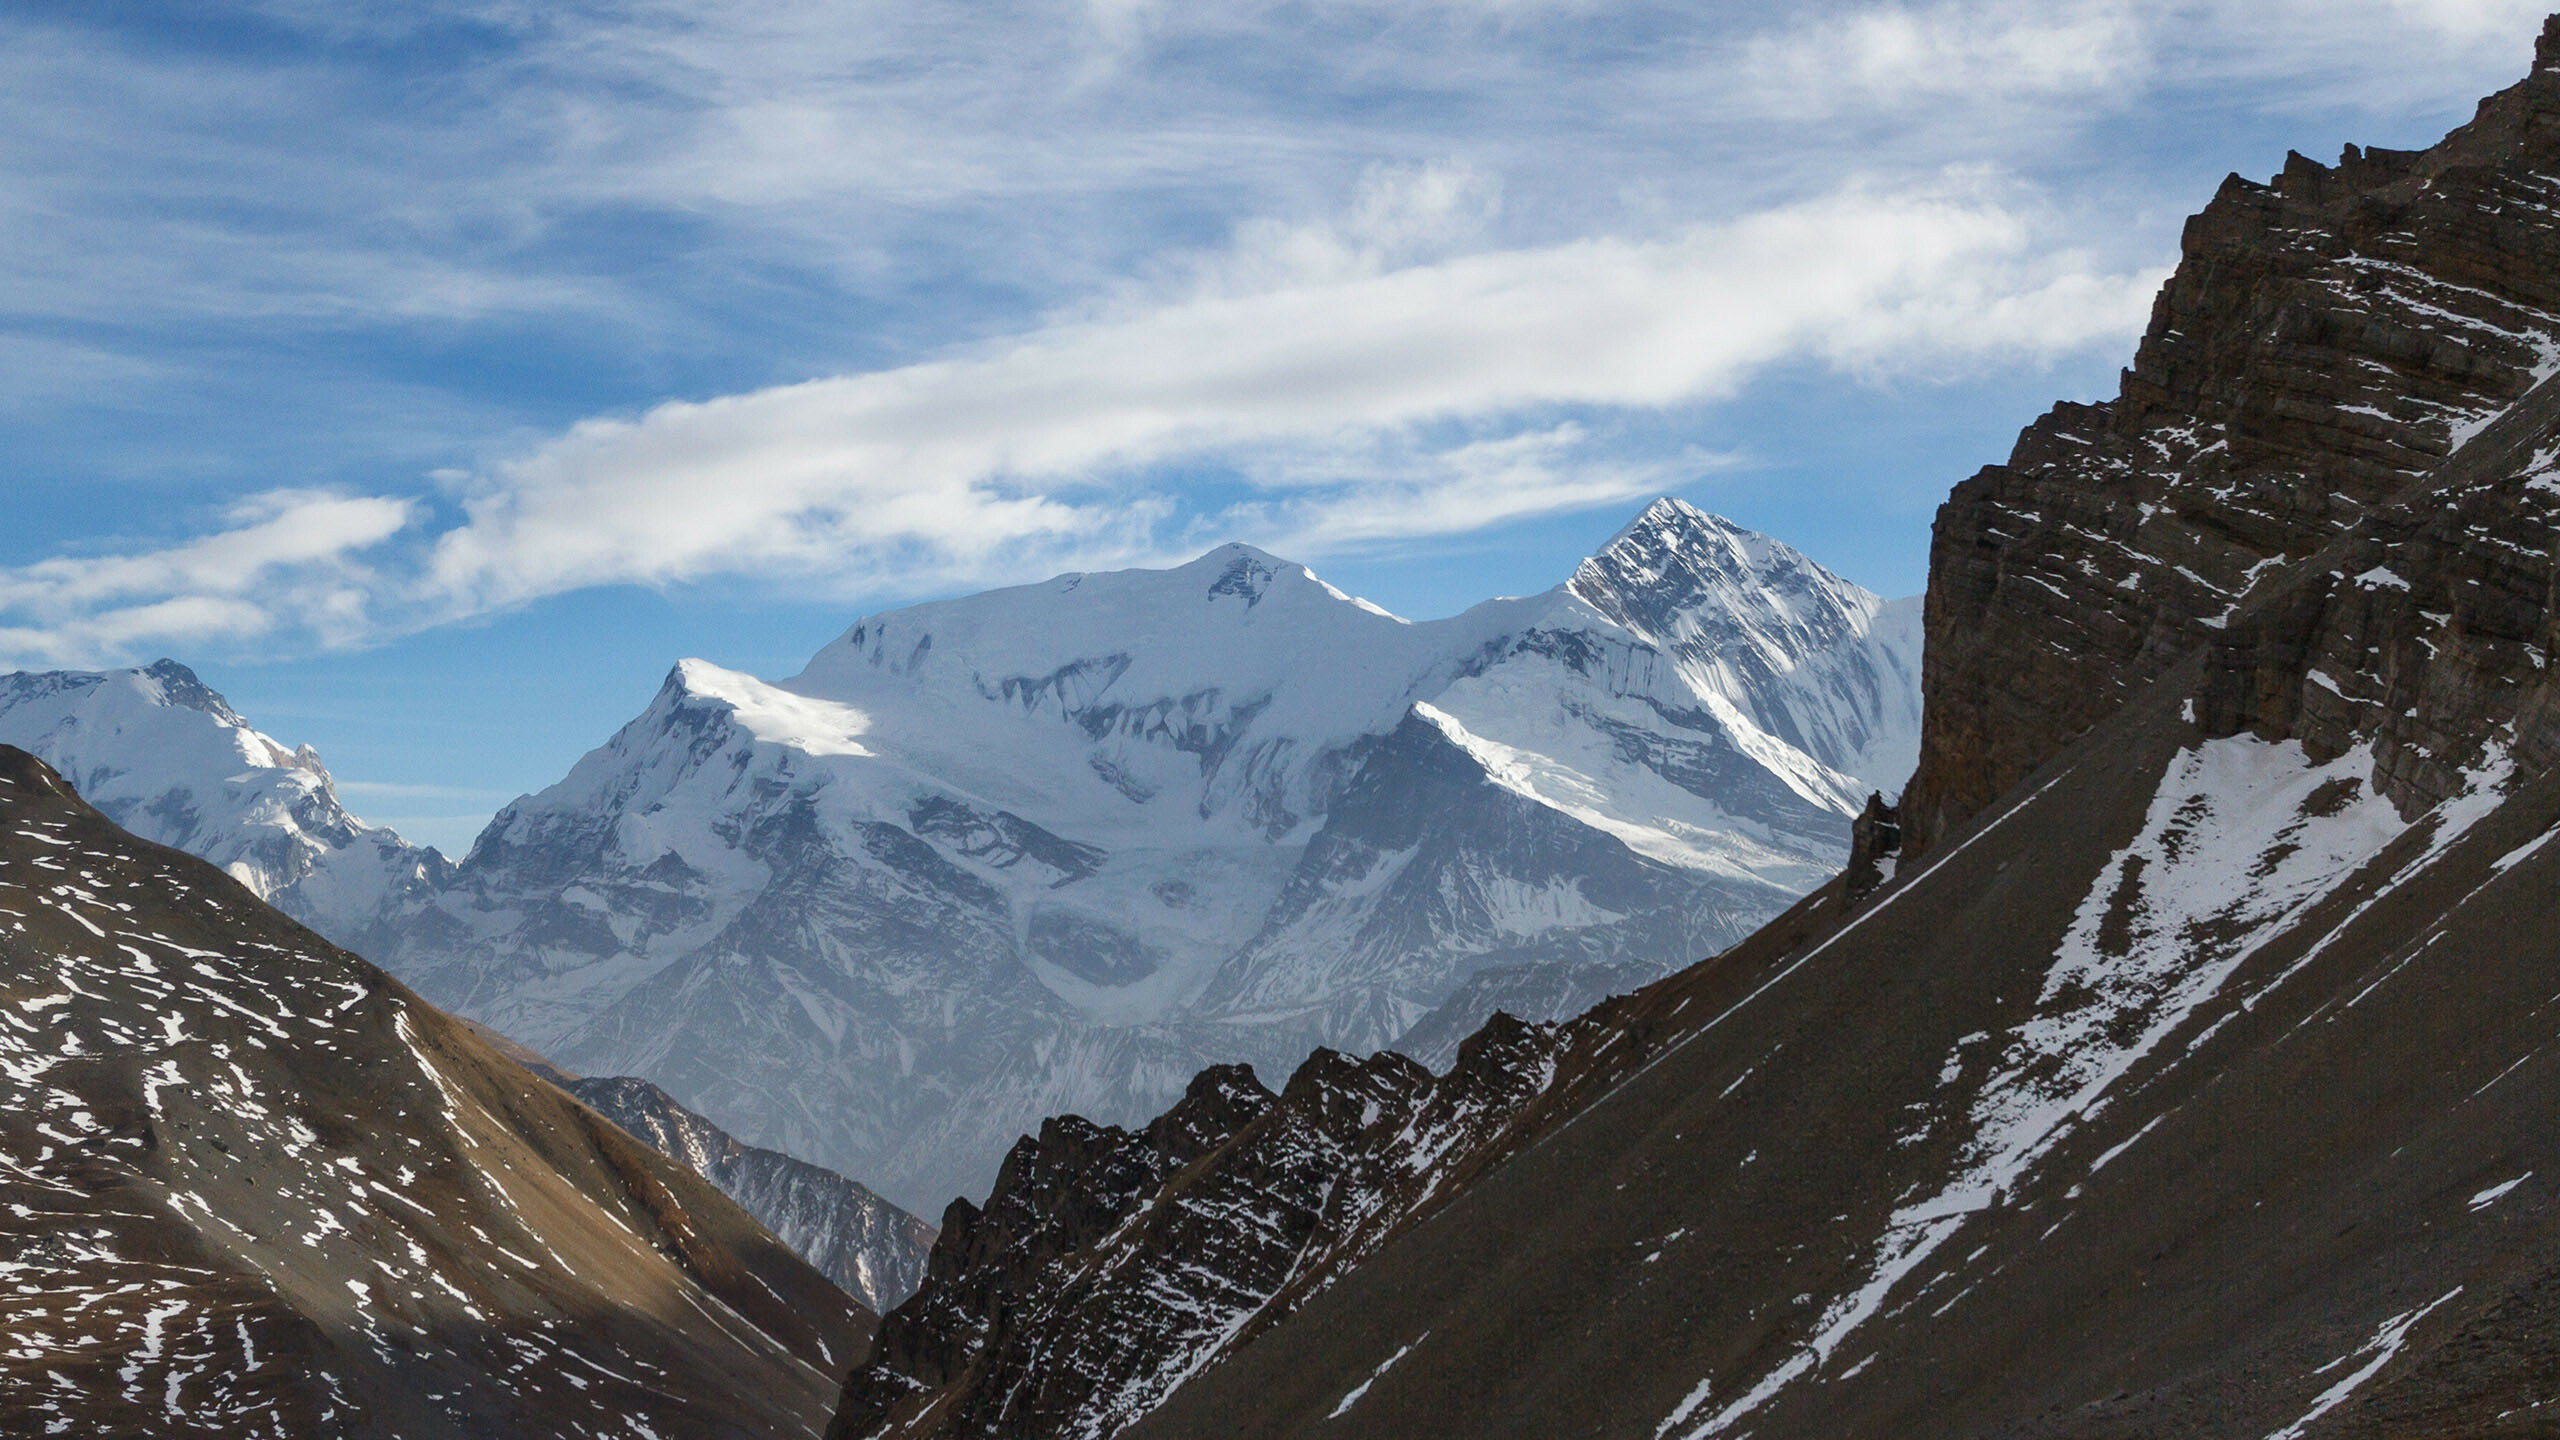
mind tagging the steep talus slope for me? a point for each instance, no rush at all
(2056, 1140)
(2190, 1072)
(871, 1249)
(2326, 338)
(1058, 847)
(250, 1185)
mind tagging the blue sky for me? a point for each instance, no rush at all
(432, 375)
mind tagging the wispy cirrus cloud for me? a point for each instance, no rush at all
(283, 561)
(1038, 446)
(1955, 51)
(1357, 393)
(1081, 282)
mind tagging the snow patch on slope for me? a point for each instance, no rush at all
(776, 716)
(1574, 770)
(2243, 838)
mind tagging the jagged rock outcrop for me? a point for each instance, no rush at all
(1875, 849)
(252, 1186)
(2326, 338)
(871, 1249)
(1110, 1265)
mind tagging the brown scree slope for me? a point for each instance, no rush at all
(252, 1186)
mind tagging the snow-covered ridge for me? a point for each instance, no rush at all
(1059, 846)
(168, 759)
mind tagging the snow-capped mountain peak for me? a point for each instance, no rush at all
(1056, 846)
(1701, 586)
(167, 757)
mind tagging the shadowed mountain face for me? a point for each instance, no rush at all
(2188, 1068)
(873, 1250)
(252, 1186)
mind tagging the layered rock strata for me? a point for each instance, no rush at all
(2326, 339)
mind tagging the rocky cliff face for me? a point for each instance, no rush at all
(2326, 338)
(871, 1249)
(1108, 1266)
(2199, 1084)
(255, 1187)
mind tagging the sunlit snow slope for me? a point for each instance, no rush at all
(1057, 847)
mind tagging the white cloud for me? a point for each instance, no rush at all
(41, 370)
(2503, 21)
(284, 560)
(2008, 68)
(1361, 494)
(1400, 215)
(1955, 52)
(2374, 55)
(1362, 395)
(965, 462)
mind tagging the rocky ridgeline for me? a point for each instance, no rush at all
(1109, 1265)
(2326, 339)
(871, 1249)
